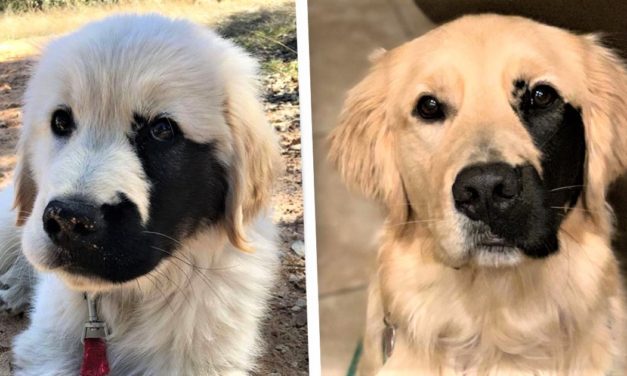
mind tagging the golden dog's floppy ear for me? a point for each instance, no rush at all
(256, 158)
(605, 119)
(362, 145)
(25, 187)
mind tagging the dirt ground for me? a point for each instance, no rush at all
(269, 35)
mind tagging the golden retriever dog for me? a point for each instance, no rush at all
(491, 141)
(142, 190)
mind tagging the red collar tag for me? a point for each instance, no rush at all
(95, 334)
(94, 358)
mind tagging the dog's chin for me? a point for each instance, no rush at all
(73, 280)
(79, 277)
(74, 276)
(494, 252)
(496, 256)
(86, 283)
(47, 258)
(480, 250)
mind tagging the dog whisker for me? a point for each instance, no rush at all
(417, 221)
(566, 187)
(574, 208)
(188, 259)
(163, 235)
(570, 235)
(154, 281)
(406, 204)
(192, 264)
(161, 272)
(205, 279)
(188, 276)
(193, 269)
(189, 263)
(185, 272)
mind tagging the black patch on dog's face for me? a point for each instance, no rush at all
(558, 133)
(189, 186)
(189, 183)
(515, 206)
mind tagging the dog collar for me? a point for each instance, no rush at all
(388, 340)
(95, 333)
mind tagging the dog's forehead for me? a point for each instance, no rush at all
(492, 50)
(150, 66)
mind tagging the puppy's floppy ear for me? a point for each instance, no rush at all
(256, 158)
(362, 146)
(605, 120)
(25, 187)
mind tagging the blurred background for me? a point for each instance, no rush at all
(342, 35)
(267, 30)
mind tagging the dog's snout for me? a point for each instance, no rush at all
(69, 221)
(484, 191)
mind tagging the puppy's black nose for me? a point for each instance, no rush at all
(485, 191)
(71, 221)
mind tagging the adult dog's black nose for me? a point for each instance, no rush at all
(485, 191)
(72, 221)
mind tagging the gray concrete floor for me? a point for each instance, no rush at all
(342, 35)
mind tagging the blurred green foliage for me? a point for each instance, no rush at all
(270, 36)
(30, 5)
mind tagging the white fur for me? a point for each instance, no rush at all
(198, 312)
(16, 275)
(180, 320)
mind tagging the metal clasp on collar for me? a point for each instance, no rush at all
(388, 339)
(94, 327)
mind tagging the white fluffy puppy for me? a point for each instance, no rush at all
(145, 171)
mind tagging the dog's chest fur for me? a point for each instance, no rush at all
(558, 316)
(183, 320)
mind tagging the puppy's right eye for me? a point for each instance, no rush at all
(163, 129)
(429, 108)
(62, 123)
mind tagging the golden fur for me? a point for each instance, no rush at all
(562, 315)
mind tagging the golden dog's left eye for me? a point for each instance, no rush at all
(542, 96)
(163, 129)
(429, 108)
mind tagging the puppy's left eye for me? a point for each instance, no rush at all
(163, 129)
(62, 123)
(543, 96)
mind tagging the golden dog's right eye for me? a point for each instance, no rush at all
(62, 123)
(429, 108)
(543, 96)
